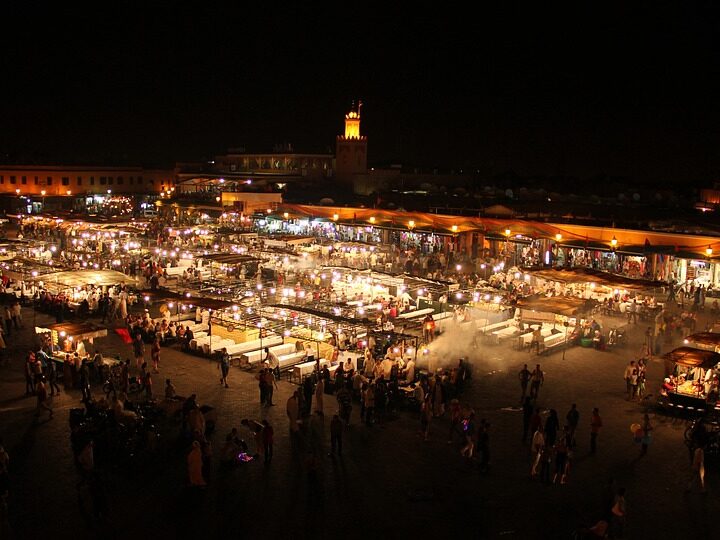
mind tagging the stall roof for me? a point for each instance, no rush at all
(585, 275)
(161, 295)
(562, 305)
(704, 339)
(76, 330)
(79, 278)
(691, 357)
(229, 258)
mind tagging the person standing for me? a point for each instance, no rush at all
(139, 350)
(484, 446)
(425, 417)
(224, 366)
(336, 427)
(292, 410)
(595, 425)
(628, 378)
(195, 465)
(647, 428)
(270, 387)
(538, 379)
(319, 392)
(262, 386)
(527, 411)
(268, 435)
(524, 378)
(573, 419)
(308, 388)
(147, 381)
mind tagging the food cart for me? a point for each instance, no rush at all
(690, 381)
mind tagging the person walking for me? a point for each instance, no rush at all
(268, 435)
(336, 427)
(155, 354)
(647, 428)
(698, 469)
(527, 411)
(42, 398)
(537, 446)
(29, 374)
(85, 381)
(369, 402)
(618, 511)
(573, 419)
(634, 384)
(425, 417)
(147, 381)
(538, 379)
(224, 367)
(270, 387)
(561, 452)
(595, 425)
(552, 426)
(524, 378)
(51, 370)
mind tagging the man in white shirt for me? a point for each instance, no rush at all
(387, 365)
(409, 371)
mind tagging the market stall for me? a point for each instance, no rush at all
(691, 380)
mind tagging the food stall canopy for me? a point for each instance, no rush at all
(229, 258)
(704, 340)
(78, 331)
(80, 278)
(560, 305)
(164, 295)
(691, 357)
(587, 275)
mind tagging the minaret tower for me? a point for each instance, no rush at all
(351, 148)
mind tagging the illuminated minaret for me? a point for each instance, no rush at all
(351, 148)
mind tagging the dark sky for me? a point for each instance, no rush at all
(623, 91)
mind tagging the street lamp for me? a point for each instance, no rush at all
(613, 242)
(411, 224)
(709, 251)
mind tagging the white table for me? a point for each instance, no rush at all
(254, 357)
(415, 313)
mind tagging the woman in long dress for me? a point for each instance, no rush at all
(123, 305)
(194, 464)
(319, 392)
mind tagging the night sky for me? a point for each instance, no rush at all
(576, 91)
